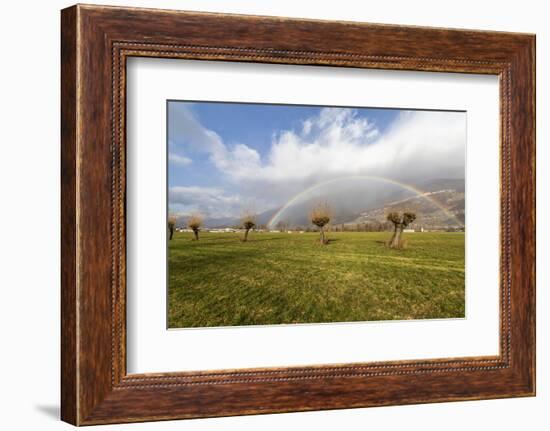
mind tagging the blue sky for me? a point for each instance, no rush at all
(227, 157)
(250, 124)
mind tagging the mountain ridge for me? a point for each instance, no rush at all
(441, 205)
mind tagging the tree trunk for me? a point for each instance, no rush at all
(322, 235)
(196, 232)
(396, 239)
(246, 235)
(393, 235)
(171, 233)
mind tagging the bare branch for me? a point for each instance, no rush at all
(194, 222)
(248, 221)
(320, 216)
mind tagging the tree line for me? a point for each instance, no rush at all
(320, 217)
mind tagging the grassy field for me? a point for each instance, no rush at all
(288, 278)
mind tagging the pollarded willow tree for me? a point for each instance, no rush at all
(400, 222)
(194, 222)
(248, 222)
(320, 216)
(172, 220)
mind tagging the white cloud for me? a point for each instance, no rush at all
(240, 160)
(418, 144)
(179, 159)
(205, 200)
(306, 127)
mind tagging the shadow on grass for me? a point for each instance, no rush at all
(262, 239)
(218, 241)
(219, 258)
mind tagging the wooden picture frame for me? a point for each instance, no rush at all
(95, 43)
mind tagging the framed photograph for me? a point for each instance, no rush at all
(264, 215)
(277, 200)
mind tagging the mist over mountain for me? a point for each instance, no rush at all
(445, 208)
(223, 222)
(438, 203)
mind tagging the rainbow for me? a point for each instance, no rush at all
(277, 216)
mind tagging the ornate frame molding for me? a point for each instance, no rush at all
(96, 41)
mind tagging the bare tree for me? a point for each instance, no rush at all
(320, 216)
(400, 222)
(171, 225)
(194, 222)
(248, 222)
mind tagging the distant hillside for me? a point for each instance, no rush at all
(429, 214)
(221, 222)
(441, 205)
(442, 184)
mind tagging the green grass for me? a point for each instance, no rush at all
(289, 278)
